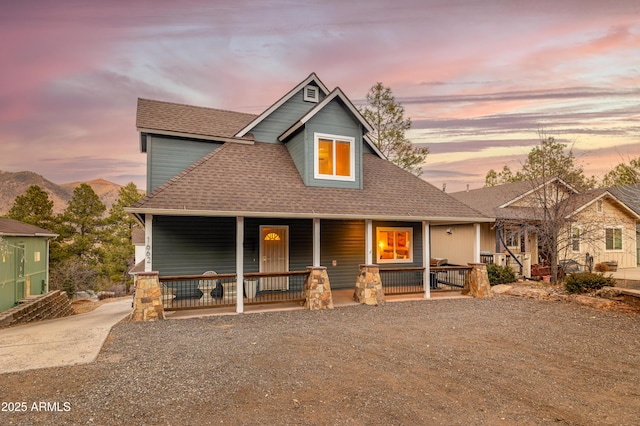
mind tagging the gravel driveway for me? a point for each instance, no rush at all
(465, 361)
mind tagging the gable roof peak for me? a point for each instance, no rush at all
(311, 78)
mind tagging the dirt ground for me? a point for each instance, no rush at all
(497, 361)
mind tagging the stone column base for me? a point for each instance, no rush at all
(147, 304)
(369, 286)
(477, 282)
(317, 289)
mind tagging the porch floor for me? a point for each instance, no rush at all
(341, 298)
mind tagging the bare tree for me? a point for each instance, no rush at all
(554, 209)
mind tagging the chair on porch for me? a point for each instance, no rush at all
(210, 288)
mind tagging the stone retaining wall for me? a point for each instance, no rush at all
(54, 304)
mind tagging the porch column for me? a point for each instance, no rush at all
(476, 246)
(369, 289)
(316, 242)
(368, 241)
(317, 289)
(148, 241)
(239, 264)
(147, 304)
(426, 259)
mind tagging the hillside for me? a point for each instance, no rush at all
(15, 184)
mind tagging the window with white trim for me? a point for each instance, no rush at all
(575, 239)
(394, 245)
(613, 239)
(334, 157)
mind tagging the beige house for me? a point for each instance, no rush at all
(597, 226)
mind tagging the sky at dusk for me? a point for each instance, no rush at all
(477, 78)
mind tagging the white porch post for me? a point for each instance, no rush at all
(476, 245)
(426, 259)
(239, 264)
(316, 242)
(368, 242)
(148, 242)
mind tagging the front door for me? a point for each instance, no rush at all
(274, 256)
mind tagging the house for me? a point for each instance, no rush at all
(299, 185)
(597, 225)
(24, 261)
(630, 196)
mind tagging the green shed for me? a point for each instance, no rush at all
(24, 261)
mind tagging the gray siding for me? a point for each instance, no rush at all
(166, 157)
(297, 149)
(342, 241)
(282, 118)
(417, 245)
(300, 242)
(334, 119)
(193, 245)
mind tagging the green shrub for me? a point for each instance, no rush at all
(500, 274)
(586, 281)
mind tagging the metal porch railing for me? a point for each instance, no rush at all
(217, 290)
(410, 280)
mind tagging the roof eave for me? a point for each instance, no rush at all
(306, 215)
(195, 136)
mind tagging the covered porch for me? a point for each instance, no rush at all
(199, 258)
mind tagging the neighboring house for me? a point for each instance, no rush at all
(24, 261)
(596, 223)
(298, 185)
(630, 195)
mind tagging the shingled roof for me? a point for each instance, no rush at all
(489, 199)
(493, 201)
(261, 179)
(12, 227)
(168, 117)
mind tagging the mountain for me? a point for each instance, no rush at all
(107, 191)
(15, 184)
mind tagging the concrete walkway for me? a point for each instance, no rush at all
(76, 339)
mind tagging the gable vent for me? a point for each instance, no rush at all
(311, 94)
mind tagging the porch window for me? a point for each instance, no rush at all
(613, 239)
(575, 239)
(334, 157)
(394, 245)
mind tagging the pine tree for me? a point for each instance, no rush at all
(117, 250)
(34, 207)
(386, 115)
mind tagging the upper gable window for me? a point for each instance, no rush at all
(334, 157)
(311, 94)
